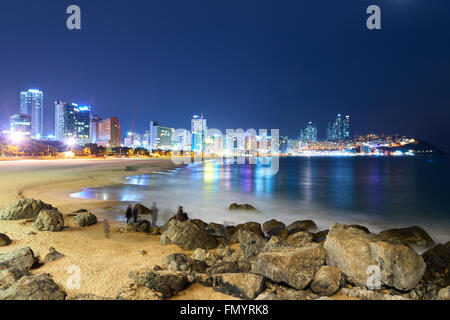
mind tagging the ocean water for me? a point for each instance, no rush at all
(378, 192)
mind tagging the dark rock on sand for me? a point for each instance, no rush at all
(4, 240)
(49, 220)
(293, 266)
(181, 262)
(53, 255)
(40, 287)
(134, 291)
(24, 209)
(224, 267)
(414, 236)
(80, 211)
(353, 251)
(210, 258)
(87, 297)
(247, 207)
(85, 219)
(140, 226)
(438, 258)
(241, 285)
(22, 259)
(187, 236)
(303, 225)
(168, 283)
(326, 281)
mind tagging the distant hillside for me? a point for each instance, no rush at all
(419, 147)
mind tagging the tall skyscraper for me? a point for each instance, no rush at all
(109, 133)
(199, 130)
(95, 119)
(309, 134)
(32, 103)
(339, 130)
(72, 121)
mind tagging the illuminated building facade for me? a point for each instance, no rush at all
(32, 104)
(109, 133)
(72, 122)
(339, 130)
(199, 130)
(161, 138)
(21, 123)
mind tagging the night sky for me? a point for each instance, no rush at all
(243, 63)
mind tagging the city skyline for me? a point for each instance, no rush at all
(289, 74)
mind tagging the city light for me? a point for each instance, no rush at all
(16, 137)
(71, 142)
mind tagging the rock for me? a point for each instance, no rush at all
(364, 294)
(210, 258)
(49, 220)
(168, 283)
(357, 226)
(22, 259)
(275, 243)
(293, 266)
(444, 294)
(24, 209)
(251, 243)
(250, 226)
(80, 211)
(181, 262)
(143, 253)
(85, 219)
(247, 207)
(40, 287)
(300, 239)
(204, 279)
(140, 226)
(9, 276)
(87, 297)
(133, 291)
(4, 240)
(278, 292)
(224, 267)
(326, 281)
(425, 290)
(437, 258)
(273, 227)
(225, 251)
(31, 233)
(241, 285)
(187, 236)
(303, 225)
(53, 255)
(142, 209)
(320, 236)
(154, 231)
(353, 251)
(199, 223)
(414, 236)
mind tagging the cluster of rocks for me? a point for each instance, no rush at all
(298, 261)
(16, 283)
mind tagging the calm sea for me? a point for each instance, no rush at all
(379, 192)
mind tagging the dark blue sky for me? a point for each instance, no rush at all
(243, 63)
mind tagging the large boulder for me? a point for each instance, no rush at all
(181, 262)
(140, 226)
(168, 283)
(224, 267)
(326, 281)
(4, 240)
(9, 276)
(187, 236)
(142, 209)
(438, 258)
(209, 257)
(40, 287)
(353, 251)
(300, 239)
(293, 266)
(24, 209)
(275, 228)
(246, 207)
(303, 225)
(250, 226)
(85, 219)
(275, 243)
(444, 294)
(241, 285)
(251, 243)
(414, 236)
(22, 259)
(49, 220)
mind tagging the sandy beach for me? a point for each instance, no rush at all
(104, 263)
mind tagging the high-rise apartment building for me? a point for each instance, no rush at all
(339, 130)
(309, 134)
(21, 123)
(199, 130)
(72, 122)
(32, 104)
(109, 133)
(161, 138)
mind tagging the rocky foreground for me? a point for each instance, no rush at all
(248, 261)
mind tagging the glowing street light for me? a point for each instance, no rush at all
(16, 137)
